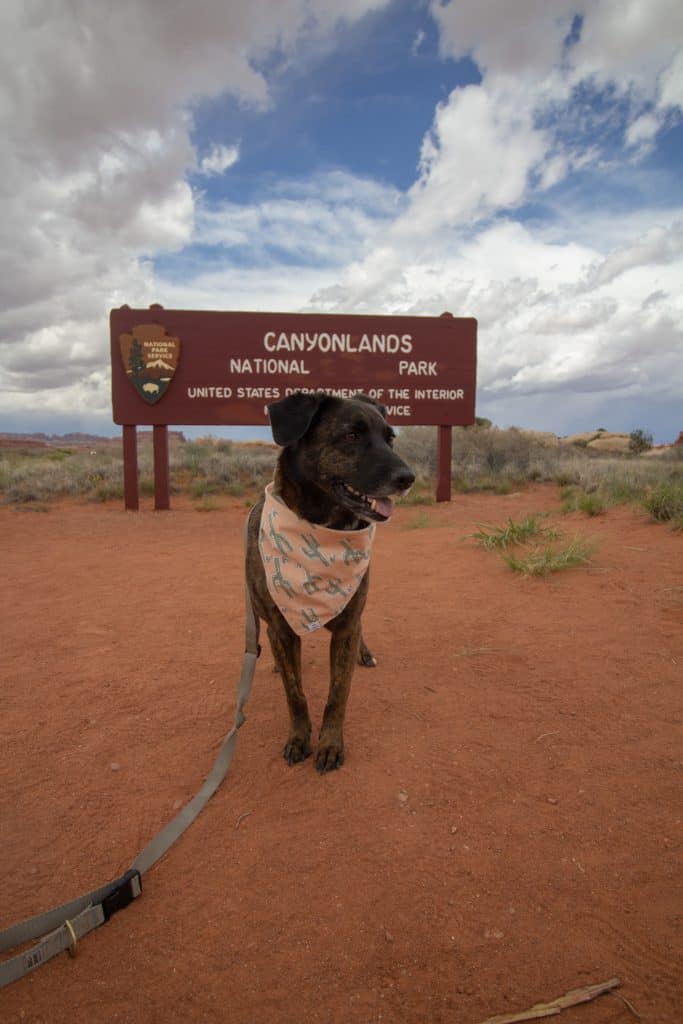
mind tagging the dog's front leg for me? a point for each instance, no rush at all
(344, 650)
(286, 647)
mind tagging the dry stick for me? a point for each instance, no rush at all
(629, 1006)
(573, 998)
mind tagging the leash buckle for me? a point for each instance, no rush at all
(127, 889)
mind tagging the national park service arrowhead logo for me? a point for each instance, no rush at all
(150, 358)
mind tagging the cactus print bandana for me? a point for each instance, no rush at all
(312, 572)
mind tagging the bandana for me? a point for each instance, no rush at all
(312, 571)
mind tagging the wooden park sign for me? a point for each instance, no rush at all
(189, 367)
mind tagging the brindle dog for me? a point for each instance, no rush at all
(336, 468)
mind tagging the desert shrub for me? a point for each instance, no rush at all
(564, 478)
(484, 459)
(106, 492)
(639, 441)
(417, 445)
(71, 474)
(223, 467)
(665, 502)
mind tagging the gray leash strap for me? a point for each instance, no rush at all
(63, 926)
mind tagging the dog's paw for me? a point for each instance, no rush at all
(297, 749)
(329, 757)
(366, 657)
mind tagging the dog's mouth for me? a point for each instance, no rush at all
(373, 508)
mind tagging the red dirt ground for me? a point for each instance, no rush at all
(506, 826)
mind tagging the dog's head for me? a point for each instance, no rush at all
(342, 448)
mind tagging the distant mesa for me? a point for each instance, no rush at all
(77, 440)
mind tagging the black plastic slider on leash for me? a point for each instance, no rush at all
(126, 889)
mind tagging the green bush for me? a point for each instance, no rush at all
(639, 441)
(665, 502)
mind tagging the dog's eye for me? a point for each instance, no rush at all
(351, 436)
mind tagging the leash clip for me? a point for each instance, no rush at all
(127, 889)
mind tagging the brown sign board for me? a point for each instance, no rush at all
(172, 366)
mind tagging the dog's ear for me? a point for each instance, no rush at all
(291, 417)
(371, 401)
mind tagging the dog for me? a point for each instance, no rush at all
(337, 471)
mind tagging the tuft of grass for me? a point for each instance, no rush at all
(623, 489)
(106, 491)
(677, 523)
(512, 533)
(421, 493)
(543, 561)
(565, 478)
(592, 504)
(486, 482)
(665, 502)
(418, 522)
(207, 505)
(34, 507)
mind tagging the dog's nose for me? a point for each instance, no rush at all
(402, 479)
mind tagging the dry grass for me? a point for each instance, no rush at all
(484, 459)
(513, 533)
(543, 561)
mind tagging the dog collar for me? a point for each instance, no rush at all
(312, 571)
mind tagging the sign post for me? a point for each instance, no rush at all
(188, 367)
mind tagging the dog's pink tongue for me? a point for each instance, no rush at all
(384, 506)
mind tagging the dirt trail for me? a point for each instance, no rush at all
(507, 825)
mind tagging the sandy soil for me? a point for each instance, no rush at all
(507, 825)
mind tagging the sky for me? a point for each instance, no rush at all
(519, 162)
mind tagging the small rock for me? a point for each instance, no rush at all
(552, 800)
(115, 766)
(454, 829)
(402, 796)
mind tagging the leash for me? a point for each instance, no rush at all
(62, 927)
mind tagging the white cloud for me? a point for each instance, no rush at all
(659, 246)
(520, 39)
(552, 315)
(96, 118)
(219, 159)
(477, 158)
(641, 132)
(671, 83)
(629, 43)
(330, 219)
(419, 39)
